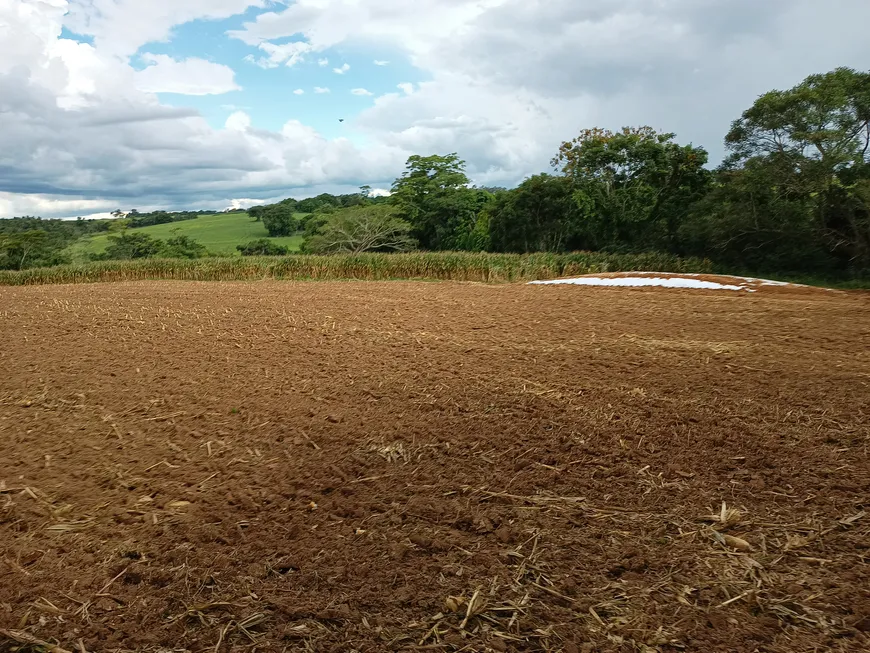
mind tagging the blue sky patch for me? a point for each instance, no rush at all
(308, 91)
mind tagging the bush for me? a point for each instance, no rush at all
(183, 247)
(128, 246)
(262, 247)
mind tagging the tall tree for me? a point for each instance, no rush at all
(433, 196)
(633, 187)
(540, 215)
(813, 141)
(825, 119)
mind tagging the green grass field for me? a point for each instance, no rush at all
(219, 233)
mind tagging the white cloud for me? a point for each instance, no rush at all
(244, 203)
(378, 62)
(321, 89)
(189, 77)
(238, 121)
(509, 79)
(121, 27)
(506, 81)
(361, 91)
(262, 62)
(288, 54)
(407, 87)
(341, 71)
(299, 91)
(13, 204)
(76, 129)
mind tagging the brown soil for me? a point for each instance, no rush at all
(409, 466)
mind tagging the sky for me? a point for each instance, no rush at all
(207, 104)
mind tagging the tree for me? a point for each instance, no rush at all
(750, 221)
(376, 228)
(182, 246)
(633, 187)
(311, 204)
(262, 247)
(31, 248)
(127, 245)
(280, 220)
(541, 215)
(813, 141)
(119, 225)
(432, 195)
(825, 118)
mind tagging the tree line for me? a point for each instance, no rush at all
(791, 196)
(28, 241)
(137, 220)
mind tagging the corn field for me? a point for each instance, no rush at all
(453, 266)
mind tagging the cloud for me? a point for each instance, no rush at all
(188, 77)
(510, 79)
(321, 89)
(378, 62)
(341, 71)
(288, 54)
(79, 136)
(505, 82)
(12, 204)
(299, 91)
(361, 91)
(238, 121)
(244, 203)
(121, 27)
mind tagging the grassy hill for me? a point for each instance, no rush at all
(220, 234)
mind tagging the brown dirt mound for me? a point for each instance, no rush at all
(445, 467)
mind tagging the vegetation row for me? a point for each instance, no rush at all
(457, 266)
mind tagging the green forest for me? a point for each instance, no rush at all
(791, 197)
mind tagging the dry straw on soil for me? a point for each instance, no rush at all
(432, 467)
(418, 265)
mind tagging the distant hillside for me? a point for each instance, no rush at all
(220, 234)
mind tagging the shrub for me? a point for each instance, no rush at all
(262, 247)
(183, 247)
(128, 246)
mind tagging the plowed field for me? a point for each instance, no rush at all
(446, 467)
